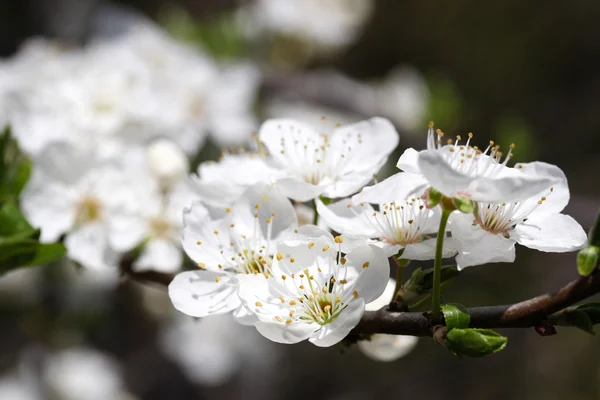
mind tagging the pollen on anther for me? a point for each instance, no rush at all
(366, 265)
(279, 256)
(199, 242)
(288, 321)
(292, 302)
(228, 209)
(292, 260)
(326, 247)
(258, 304)
(311, 245)
(343, 260)
(217, 278)
(327, 308)
(278, 319)
(282, 299)
(355, 294)
(338, 239)
(216, 232)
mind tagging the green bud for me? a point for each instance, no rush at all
(587, 260)
(432, 197)
(463, 205)
(456, 316)
(473, 342)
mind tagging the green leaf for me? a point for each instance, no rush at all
(463, 204)
(15, 168)
(421, 282)
(587, 260)
(28, 252)
(474, 342)
(594, 234)
(583, 316)
(13, 222)
(456, 316)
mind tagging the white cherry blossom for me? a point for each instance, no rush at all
(491, 232)
(243, 242)
(312, 291)
(222, 182)
(401, 225)
(332, 165)
(460, 170)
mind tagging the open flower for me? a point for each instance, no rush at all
(313, 292)
(335, 165)
(243, 242)
(490, 233)
(223, 182)
(402, 225)
(381, 347)
(461, 170)
(93, 203)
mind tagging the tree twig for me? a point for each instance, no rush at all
(529, 313)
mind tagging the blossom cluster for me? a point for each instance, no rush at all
(292, 236)
(295, 281)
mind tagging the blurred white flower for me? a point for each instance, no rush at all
(166, 162)
(83, 374)
(382, 347)
(229, 346)
(491, 232)
(336, 165)
(243, 242)
(93, 203)
(312, 291)
(329, 23)
(14, 388)
(402, 95)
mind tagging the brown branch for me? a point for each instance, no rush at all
(529, 313)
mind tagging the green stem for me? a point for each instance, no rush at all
(400, 265)
(316, 215)
(437, 267)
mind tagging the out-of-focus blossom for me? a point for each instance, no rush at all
(328, 23)
(491, 232)
(336, 165)
(92, 202)
(312, 291)
(82, 373)
(381, 347)
(243, 242)
(212, 351)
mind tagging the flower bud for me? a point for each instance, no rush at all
(166, 162)
(587, 260)
(432, 197)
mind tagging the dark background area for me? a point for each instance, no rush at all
(523, 71)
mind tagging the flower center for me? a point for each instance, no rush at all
(398, 223)
(502, 218)
(466, 159)
(160, 227)
(318, 160)
(196, 107)
(89, 209)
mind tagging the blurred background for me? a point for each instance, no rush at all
(526, 72)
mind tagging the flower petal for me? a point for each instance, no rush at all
(557, 198)
(280, 135)
(88, 245)
(488, 248)
(385, 298)
(340, 327)
(510, 185)
(204, 293)
(373, 270)
(298, 189)
(286, 334)
(344, 217)
(396, 187)
(409, 161)
(555, 233)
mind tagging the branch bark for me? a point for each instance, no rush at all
(529, 313)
